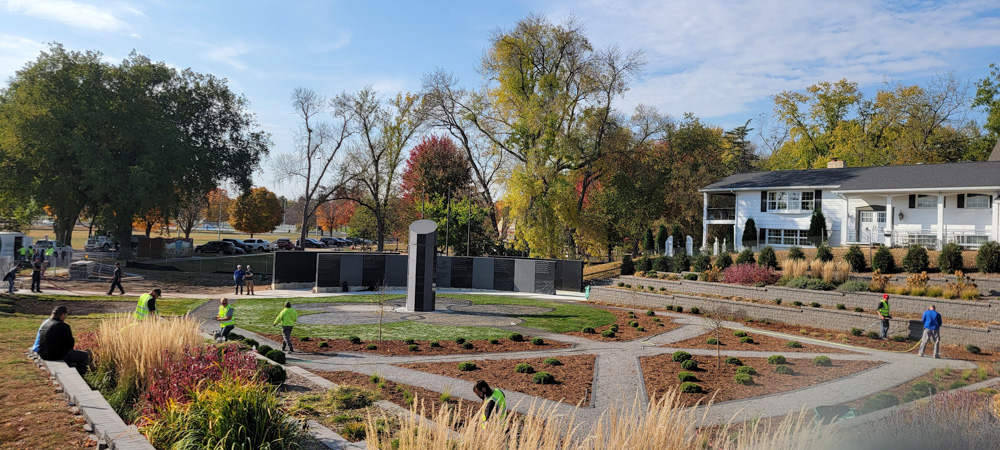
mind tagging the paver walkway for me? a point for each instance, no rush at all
(618, 380)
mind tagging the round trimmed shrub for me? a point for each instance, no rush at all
(354, 340)
(916, 260)
(614, 327)
(633, 324)
(724, 260)
(628, 266)
(957, 384)
(841, 306)
(681, 356)
(640, 329)
(277, 356)
(988, 257)
(552, 362)
(689, 365)
(409, 341)
(695, 310)
(538, 341)
(767, 258)
(686, 376)
(690, 388)
(516, 337)
(264, 349)
(631, 314)
(467, 366)
(414, 347)
(644, 264)
(822, 361)
(524, 368)
(460, 341)
(468, 346)
(950, 258)
(776, 359)
(823, 253)
(650, 313)
(371, 347)
(608, 334)
(883, 260)
(495, 341)
(746, 340)
(733, 360)
(740, 333)
(742, 378)
(973, 349)
(435, 344)
(796, 253)
(746, 369)
(882, 400)
(815, 304)
(923, 389)
(793, 344)
(588, 330)
(543, 378)
(678, 308)
(712, 341)
(274, 374)
(746, 257)
(874, 335)
(702, 262)
(855, 258)
(783, 369)
(322, 344)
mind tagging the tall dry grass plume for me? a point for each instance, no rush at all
(835, 272)
(816, 268)
(795, 267)
(136, 348)
(663, 424)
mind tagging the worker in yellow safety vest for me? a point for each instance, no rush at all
(287, 317)
(494, 398)
(147, 304)
(225, 318)
(883, 313)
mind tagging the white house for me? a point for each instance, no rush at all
(929, 204)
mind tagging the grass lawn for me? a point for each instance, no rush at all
(166, 306)
(33, 415)
(258, 314)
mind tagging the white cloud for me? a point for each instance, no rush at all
(74, 14)
(228, 54)
(716, 57)
(343, 39)
(136, 35)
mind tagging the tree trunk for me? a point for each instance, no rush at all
(379, 231)
(305, 222)
(123, 235)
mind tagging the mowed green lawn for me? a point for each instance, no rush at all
(258, 315)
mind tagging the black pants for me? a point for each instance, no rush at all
(239, 287)
(225, 331)
(116, 283)
(286, 332)
(78, 359)
(36, 282)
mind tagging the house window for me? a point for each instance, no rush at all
(790, 201)
(927, 201)
(787, 237)
(977, 201)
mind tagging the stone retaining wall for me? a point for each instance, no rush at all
(987, 286)
(835, 320)
(979, 310)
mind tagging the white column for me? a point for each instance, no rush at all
(940, 228)
(996, 218)
(888, 220)
(704, 220)
(845, 221)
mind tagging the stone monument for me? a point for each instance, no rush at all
(668, 248)
(689, 245)
(420, 270)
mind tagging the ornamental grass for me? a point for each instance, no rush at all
(136, 349)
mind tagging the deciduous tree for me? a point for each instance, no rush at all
(257, 211)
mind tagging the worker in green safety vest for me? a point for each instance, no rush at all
(883, 313)
(147, 304)
(494, 398)
(225, 318)
(23, 253)
(287, 318)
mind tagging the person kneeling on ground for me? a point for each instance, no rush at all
(225, 319)
(56, 342)
(494, 398)
(287, 317)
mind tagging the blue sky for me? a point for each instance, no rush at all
(720, 60)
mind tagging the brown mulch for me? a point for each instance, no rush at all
(400, 348)
(761, 342)
(573, 378)
(29, 305)
(626, 332)
(660, 374)
(941, 378)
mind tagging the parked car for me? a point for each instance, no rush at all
(331, 242)
(216, 247)
(343, 242)
(247, 248)
(310, 243)
(56, 246)
(284, 244)
(260, 245)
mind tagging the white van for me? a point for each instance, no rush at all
(11, 241)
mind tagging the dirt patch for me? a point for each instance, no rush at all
(660, 373)
(401, 348)
(761, 342)
(651, 326)
(29, 305)
(574, 377)
(170, 282)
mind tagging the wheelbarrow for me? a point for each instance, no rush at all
(830, 414)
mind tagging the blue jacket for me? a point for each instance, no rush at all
(238, 275)
(932, 320)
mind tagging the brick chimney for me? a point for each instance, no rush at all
(835, 163)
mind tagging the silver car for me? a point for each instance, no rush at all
(261, 245)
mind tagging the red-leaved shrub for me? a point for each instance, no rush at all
(183, 373)
(749, 274)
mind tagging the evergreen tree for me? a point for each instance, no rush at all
(817, 228)
(750, 234)
(647, 241)
(661, 239)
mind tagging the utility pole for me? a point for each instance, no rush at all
(468, 223)
(219, 225)
(447, 223)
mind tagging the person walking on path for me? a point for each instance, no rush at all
(36, 276)
(494, 398)
(225, 318)
(883, 313)
(248, 279)
(238, 278)
(147, 304)
(116, 280)
(287, 317)
(9, 278)
(932, 330)
(56, 342)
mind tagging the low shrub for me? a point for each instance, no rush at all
(264, 349)
(640, 329)
(796, 253)
(467, 366)
(746, 340)
(853, 286)
(689, 365)
(277, 356)
(322, 344)
(882, 400)
(841, 306)
(777, 301)
(793, 344)
(495, 341)
(797, 303)
(691, 277)
(923, 389)
(988, 257)
(742, 378)
(414, 347)
(883, 261)
(643, 264)
(690, 388)
(916, 260)
(670, 307)
(746, 369)
(823, 253)
(678, 308)
(516, 337)
(973, 349)
(776, 359)
(686, 376)
(899, 338)
(371, 347)
(650, 313)
(274, 374)
(352, 397)
(524, 368)
(468, 346)
(733, 360)
(739, 333)
(695, 310)
(855, 258)
(680, 356)
(538, 341)
(859, 309)
(712, 341)
(950, 258)
(746, 257)
(814, 284)
(664, 264)
(874, 335)
(682, 262)
(435, 344)
(783, 369)
(588, 330)
(249, 342)
(957, 384)
(822, 361)
(815, 304)
(621, 284)
(857, 331)
(354, 340)
(724, 260)
(749, 274)
(767, 258)
(409, 341)
(608, 334)
(633, 324)
(702, 262)
(552, 362)
(543, 378)
(461, 341)
(614, 327)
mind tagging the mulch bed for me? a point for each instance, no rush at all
(761, 342)
(660, 374)
(626, 332)
(573, 378)
(941, 378)
(400, 348)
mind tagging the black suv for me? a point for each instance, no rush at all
(216, 247)
(239, 243)
(331, 241)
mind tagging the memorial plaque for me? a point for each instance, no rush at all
(420, 271)
(545, 277)
(569, 275)
(328, 270)
(461, 272)
(395, 270)
(503, 274)
(294, 267)
(524, 275)
(482, 273)
(443, 272)
(372, 270)
(351, 269)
